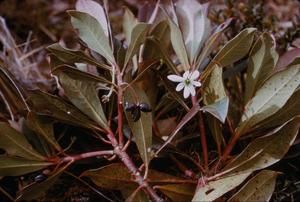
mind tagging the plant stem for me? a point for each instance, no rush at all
(203, 140)
(117, 145)
(120, 108)
(202, 135)
(132, 168)
(230, 146)
(87, 155)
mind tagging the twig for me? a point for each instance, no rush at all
(87, 155)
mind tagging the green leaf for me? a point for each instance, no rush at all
(141, 129)
(74, 56)
(262, 60)
(178, 192)
(91, 32)
(218, 109)
(287, 112)
(14, 166)
(194, 24)
(129, 22)
(178, 44)
(15, 144)
(84, 95)
(214, 189)
(94, 9)
(53, 106)
(236, 48)
(271, 97)
(138, 36)
(265, 151)
(258, 188)
(44, 128)
(214, 97)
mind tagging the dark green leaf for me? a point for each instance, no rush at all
(14, 166)
(74, 56)
(46, 104)
(78, 74)
(15, 144)
(84, 95)
(44, 128)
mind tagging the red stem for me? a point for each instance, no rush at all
(87, 155)
(202, 135)
(120, 108)
(230, 146)
(132, 168)
(203, 140)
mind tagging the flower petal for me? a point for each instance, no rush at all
(175, 78)
(195, 75)
(180, 86)
(192, 90)
(186, 75)
(196, 83)
(186, 92)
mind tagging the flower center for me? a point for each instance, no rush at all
(187, 82)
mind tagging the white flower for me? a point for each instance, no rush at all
(187, 82)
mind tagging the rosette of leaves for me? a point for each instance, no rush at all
(255, 103)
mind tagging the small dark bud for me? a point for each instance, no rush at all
(40, 178)
(136, 114)
(144, 107)
(129, 106)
